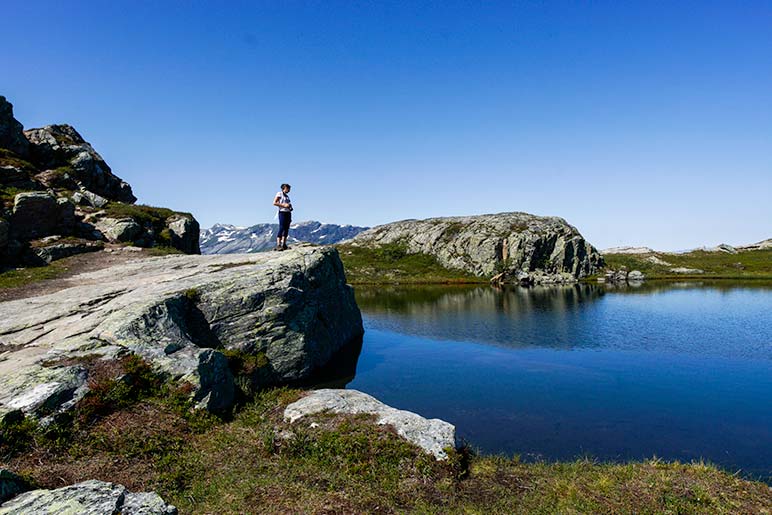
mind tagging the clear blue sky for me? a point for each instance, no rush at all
(641, 123)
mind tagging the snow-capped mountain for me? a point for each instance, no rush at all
(229, 239)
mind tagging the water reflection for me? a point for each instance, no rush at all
(652, 316)
(676, 370)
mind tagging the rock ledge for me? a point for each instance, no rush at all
(432, 435)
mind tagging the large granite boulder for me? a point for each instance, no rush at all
(39, 213)
(62, 148)
(184, 233)
(119, 230)
(434, 436)
(290, 311)
(88, 498)
(11, 131)
(511, 244)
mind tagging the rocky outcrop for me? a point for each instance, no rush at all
(184, 232)
(61, 147)
(761, 245)
(434, 436)
(622, 276)
(39, 214)
(118, 230)
(53, 182)
(518, 245)
(53, 248)
(88, 498)
(229, 239)
(290, 311)
(11, 135)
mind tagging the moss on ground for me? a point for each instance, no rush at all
(751, 264)
(16, 277)
(391, 263)
(348, 465)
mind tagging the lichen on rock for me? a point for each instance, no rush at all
(294, 309)
(544, 248)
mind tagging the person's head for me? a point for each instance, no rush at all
(286, 187)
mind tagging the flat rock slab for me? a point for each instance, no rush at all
(88, 498)
(292, 308)
(432, 435)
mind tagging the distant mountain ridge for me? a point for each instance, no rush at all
(230, 239)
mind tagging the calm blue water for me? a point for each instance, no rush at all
(678, 371)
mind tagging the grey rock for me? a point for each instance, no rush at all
(60, 250)
(726, 248)
(11, 131)
(636, 275)
(119, 230)
(146, 503)
(627, 250)
(62, 147)
(686, 270)
(487, 244)
(761, 245)
(10, 485)
(87, 498)
(432, 435)
(66, 211)
(88, 198)
(35, 214)
(229, 239)
(294, 308)
(184, 231)
(657, 261)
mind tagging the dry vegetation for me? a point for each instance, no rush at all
(142, 434)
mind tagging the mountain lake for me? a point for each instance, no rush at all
(678, 371)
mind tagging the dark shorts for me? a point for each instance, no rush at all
(285, 217)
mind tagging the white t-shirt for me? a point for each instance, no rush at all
(284, 199)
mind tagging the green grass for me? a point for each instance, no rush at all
(148, 216)
(8, 158)
(20, 277)
(392, 264)
(349, 465)
(144, 215)
(752, 264)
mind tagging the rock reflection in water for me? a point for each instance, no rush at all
(511, 316)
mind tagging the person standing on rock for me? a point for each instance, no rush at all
(283, 202)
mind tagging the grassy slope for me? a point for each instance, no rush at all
(346, 465)
(743, 265)
(390, 264)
